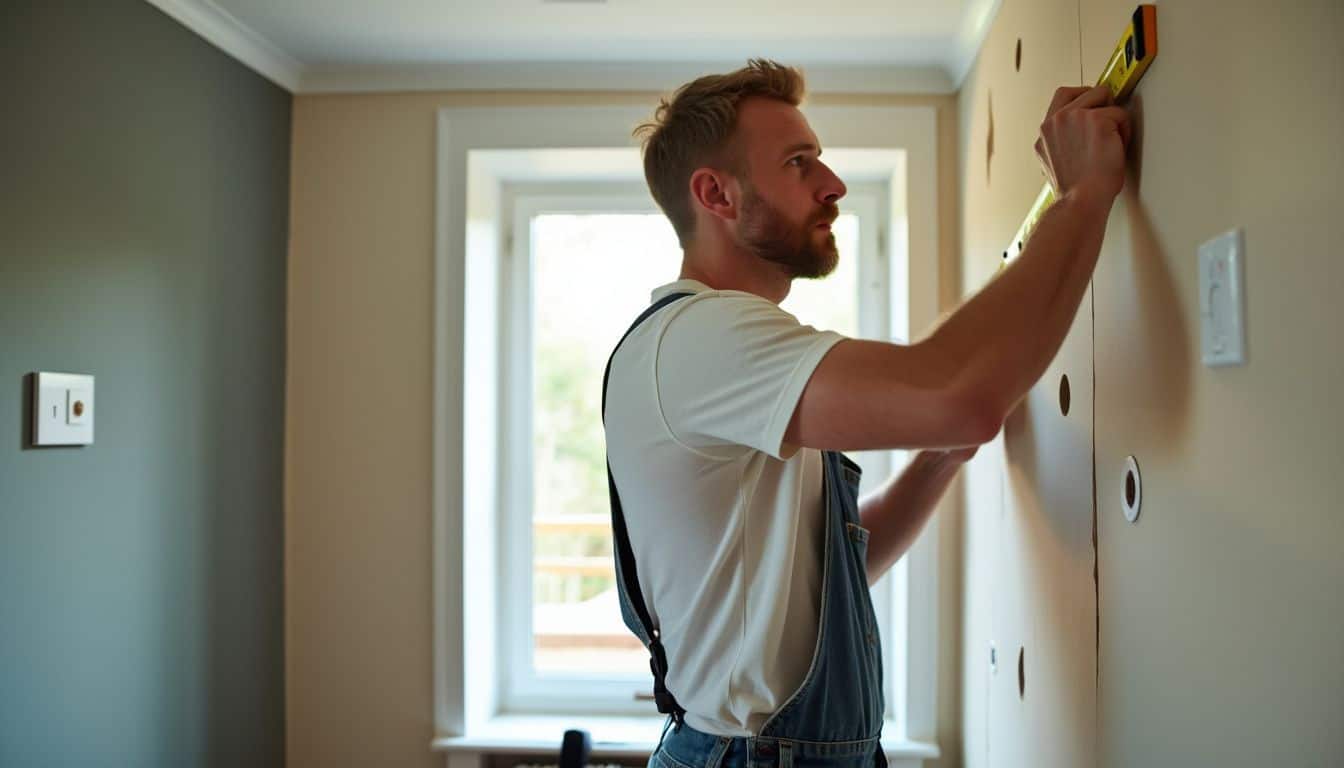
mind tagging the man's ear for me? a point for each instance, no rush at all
(716, 192)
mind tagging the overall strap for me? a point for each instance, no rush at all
(625, 556)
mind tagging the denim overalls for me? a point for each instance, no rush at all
(835, 716)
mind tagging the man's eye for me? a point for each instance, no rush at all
(796, 161)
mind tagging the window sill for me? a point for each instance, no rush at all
(613, 737)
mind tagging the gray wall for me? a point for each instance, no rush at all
(143, 226)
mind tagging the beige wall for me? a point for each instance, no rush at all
(1212, 633)
(358, 421)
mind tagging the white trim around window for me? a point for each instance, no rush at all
(480, 151)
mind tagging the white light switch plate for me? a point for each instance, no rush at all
(1222, 299)
(62, 409)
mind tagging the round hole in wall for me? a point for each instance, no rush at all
(1065, 395)
(1018, 58)
(1022, 673)
(1133, 490)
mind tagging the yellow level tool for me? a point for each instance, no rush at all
(1130, 59)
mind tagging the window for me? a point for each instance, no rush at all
(581, 150)
(582, 263)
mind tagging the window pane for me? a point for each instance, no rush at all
(592, 275)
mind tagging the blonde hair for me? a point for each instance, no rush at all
(695, 128)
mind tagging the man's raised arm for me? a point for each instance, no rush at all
(955, 387)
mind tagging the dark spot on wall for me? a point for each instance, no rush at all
(989, 139)
(1022, 673)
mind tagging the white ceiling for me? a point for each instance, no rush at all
(320, 44)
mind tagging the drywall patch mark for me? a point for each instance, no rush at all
(989, 139)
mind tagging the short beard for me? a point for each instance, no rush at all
(767, 233)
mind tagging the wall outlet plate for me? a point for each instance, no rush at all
(1222, 299)
(62, 409)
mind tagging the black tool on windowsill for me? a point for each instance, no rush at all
(574, 750)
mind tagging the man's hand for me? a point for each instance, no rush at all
(1082, 143)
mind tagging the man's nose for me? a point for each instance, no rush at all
(832, 189)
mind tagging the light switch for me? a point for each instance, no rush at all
(1222, 300)
(62, 409)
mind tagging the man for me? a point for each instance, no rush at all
(743, 557)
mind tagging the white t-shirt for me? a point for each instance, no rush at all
(724, 519)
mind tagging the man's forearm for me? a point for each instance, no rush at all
(895, 514)
(1003, 338)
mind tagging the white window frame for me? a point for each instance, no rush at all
(482, 148)
(522, 691)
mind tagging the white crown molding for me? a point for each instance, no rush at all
(226, 32)
(975, 25)
(221, 29)
(608, 76)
